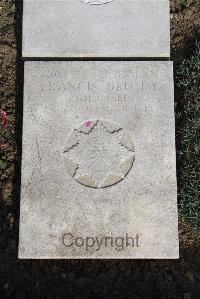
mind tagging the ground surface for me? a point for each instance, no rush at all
(82, 279)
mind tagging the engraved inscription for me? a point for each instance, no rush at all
(96, 2)
(99, 153)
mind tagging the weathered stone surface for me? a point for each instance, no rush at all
(100, 28)
(126, 209)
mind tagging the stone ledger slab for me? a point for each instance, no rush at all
(98, 162)
(102, 28)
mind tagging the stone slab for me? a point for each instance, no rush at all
(98, 161)
(75, 28)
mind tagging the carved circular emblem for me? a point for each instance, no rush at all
(96, 2)
(99, 153)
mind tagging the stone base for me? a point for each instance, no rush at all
(76, 28)
(98, 162)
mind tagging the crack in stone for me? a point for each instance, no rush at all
(130, 150)
(70, 148)
(38, 151)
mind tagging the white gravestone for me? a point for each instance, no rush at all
(98, 162)
(96, 28)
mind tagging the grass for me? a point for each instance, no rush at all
(188, 138)
(185, 2)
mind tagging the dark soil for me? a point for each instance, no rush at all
(81, 279)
